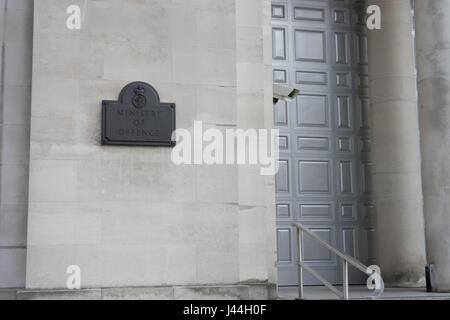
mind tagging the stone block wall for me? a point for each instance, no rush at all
(126, 215)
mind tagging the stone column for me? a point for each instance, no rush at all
(395, 147)
(16, 31)
(433, 63)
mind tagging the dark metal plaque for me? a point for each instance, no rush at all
(138, 118)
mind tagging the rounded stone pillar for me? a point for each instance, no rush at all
(399, 228)
(433, 64)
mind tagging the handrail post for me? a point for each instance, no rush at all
(300, 269)
(345, 278)
(346, 260)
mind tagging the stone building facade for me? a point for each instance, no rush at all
(138, 225)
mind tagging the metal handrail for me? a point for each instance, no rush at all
(346, 260)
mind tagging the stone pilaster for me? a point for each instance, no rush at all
(395, 147)
(433, 64)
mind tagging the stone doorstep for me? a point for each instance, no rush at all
(8, 294)
(236, 292)
(84, 294)
(360, 292)
(225, 292)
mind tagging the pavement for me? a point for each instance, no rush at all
(360, 292)
(323, 293)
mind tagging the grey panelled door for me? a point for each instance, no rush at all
(320, 48)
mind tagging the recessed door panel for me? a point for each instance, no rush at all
(324, 181)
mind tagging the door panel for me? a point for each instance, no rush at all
(324, 182)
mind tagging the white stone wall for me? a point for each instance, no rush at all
(126, 215)
(257, 219)
(16, 17)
